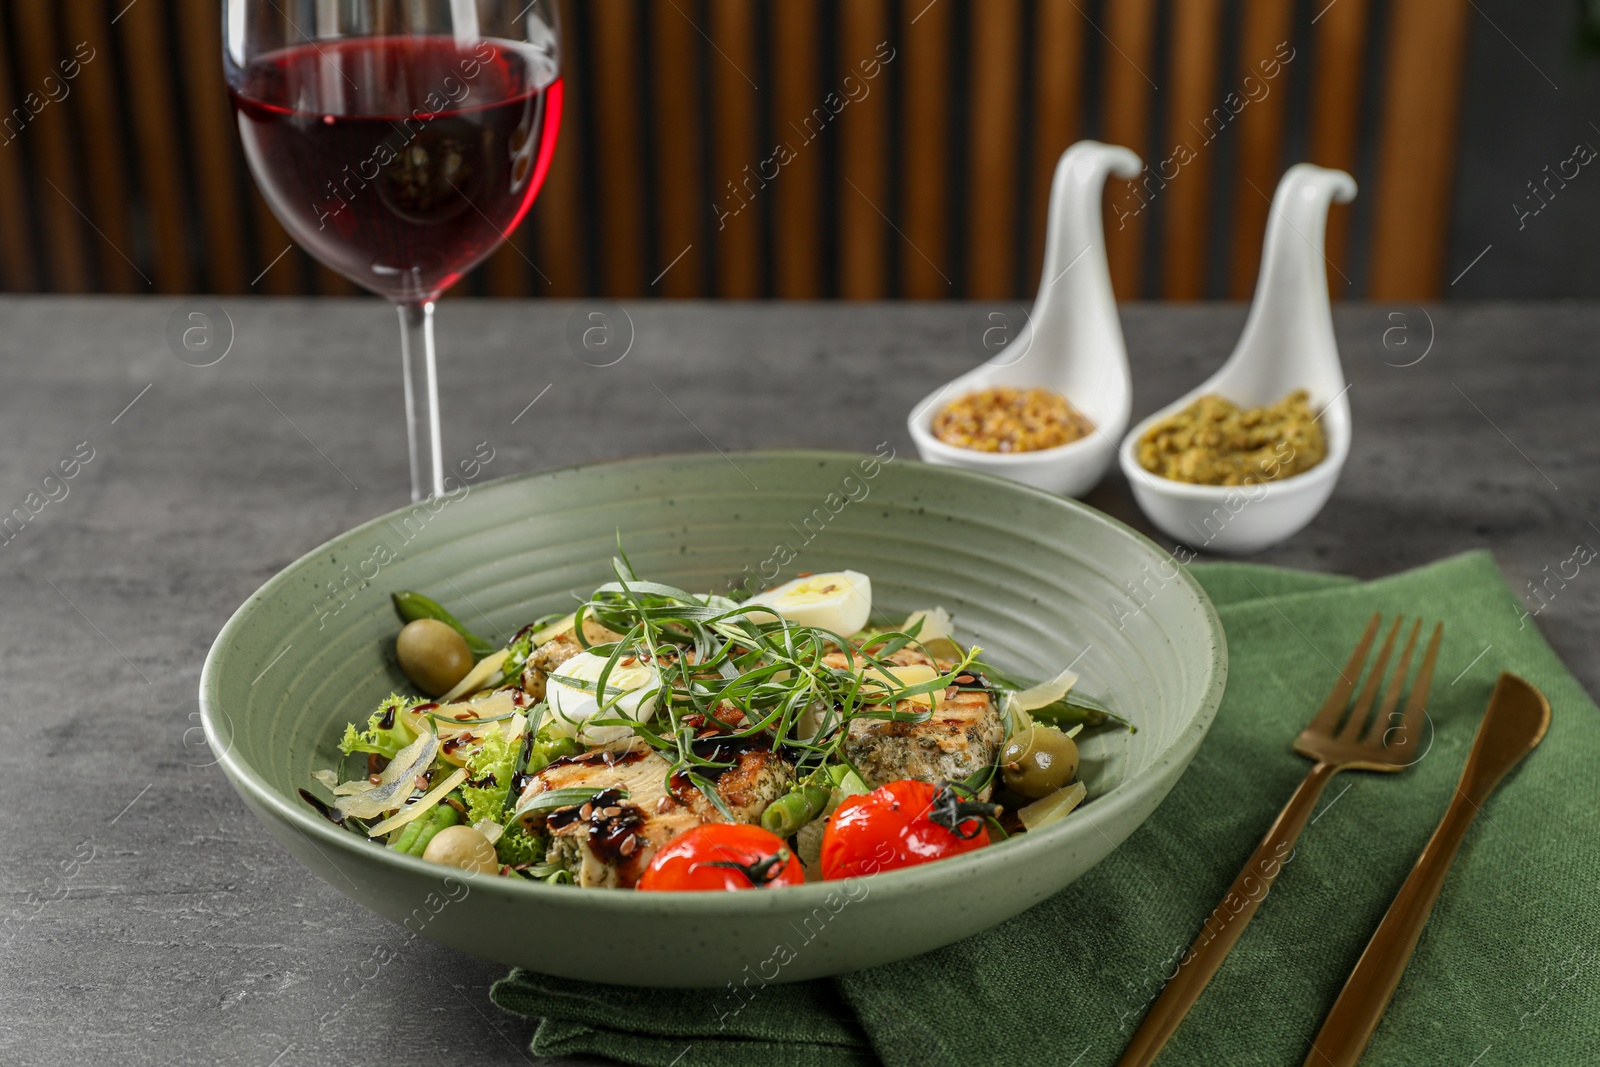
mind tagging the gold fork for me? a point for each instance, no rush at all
(1336, 741)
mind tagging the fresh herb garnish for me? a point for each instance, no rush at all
(745, 676)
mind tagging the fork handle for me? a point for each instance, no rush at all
(1226, 922)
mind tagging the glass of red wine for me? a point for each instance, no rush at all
(399, 142)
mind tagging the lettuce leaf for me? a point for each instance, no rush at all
(517, 846)
(489, 772)
(384, 740)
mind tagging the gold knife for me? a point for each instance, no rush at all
(1515, 722)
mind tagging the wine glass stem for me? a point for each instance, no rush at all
(422, 399)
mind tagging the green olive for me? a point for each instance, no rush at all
(433, 655)
(464, 847)
(1039, 760)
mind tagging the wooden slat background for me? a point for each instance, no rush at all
(926, 58)
(1127, 60)
(994, 136)
(798, 219)
(1266, 23)
(1196, 115)
(799, 149)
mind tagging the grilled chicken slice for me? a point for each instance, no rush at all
(543, 661)
(609, 842)
(962, 737)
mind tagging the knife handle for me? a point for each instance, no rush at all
(1366, 994)
(1513, 725)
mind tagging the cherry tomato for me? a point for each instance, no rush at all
(900, 825)
(723, 855)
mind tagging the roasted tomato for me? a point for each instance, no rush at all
(900, 825)
(723, 855)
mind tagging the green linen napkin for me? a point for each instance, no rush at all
(1507, 971)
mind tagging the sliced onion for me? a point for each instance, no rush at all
(1016, 719)
(415, 811)
(1052, 807)
(808, 724)
(1047, 692)
(395, 783)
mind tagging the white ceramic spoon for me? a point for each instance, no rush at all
(1287, 344)
(1072, 342)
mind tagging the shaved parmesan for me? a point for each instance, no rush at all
(395, 783)
(896, 679)
(936, 622)
(414, 811)
(342, 789)
(553, 631)
(478, 677)
(937, 634)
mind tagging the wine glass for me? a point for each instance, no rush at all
(399, 142)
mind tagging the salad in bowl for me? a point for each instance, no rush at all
(660, 739)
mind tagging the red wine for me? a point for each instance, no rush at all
(400, 162)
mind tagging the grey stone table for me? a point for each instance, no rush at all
(146, 918)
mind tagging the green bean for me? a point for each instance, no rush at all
(1075, 709)
(1078, 711)
(441, 817)
(408, 835)
(414, 606)
(413, 840)
(794, 809)
(806, 800)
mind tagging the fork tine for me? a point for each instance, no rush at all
(1332, 708)
(1356, 724)
(1417, 699)
(1378, 731)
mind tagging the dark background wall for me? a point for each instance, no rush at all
(1530, 98)
(135, 182)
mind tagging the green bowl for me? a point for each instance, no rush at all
(1036, 580)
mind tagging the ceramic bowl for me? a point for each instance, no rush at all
(1072, 342)
(1287, 344)
(1034, 579)
(1237, 520)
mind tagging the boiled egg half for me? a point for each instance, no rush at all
(840, 601)
(633, 690)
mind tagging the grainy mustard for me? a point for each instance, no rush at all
(1007, 419)
(1215, 442)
